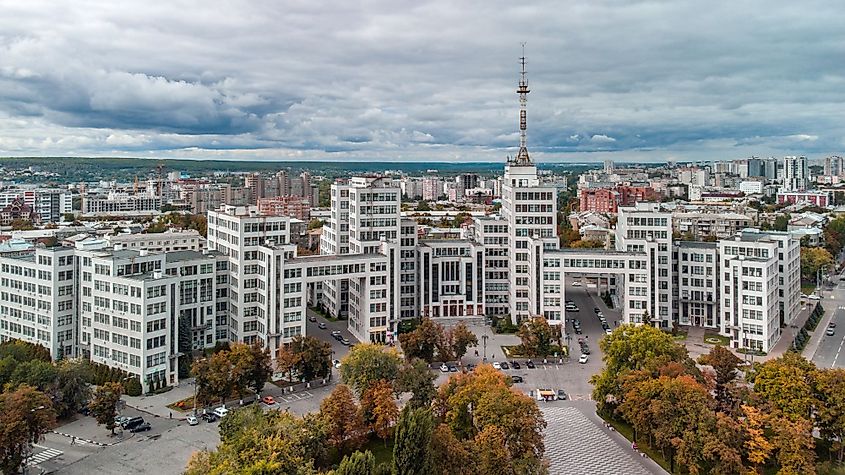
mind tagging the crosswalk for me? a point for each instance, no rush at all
(43, 456)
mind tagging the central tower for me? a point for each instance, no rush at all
(522, 157)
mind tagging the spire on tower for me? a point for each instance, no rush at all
(522, 157)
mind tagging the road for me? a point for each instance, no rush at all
(830, 354)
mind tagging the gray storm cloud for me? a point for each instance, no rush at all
(420, 81)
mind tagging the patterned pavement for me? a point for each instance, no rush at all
(43, 455)
(576, 445)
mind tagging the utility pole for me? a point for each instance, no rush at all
(484, 341)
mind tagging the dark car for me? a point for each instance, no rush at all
(132, 423)
(452, 368)
(529, 364)
(515, 365)
(140, 427)
(209, 417)
(561, 394)
(597, 310)
(516, 379)
(578, 331)
(585, 350)
(338, 337)
(470, 367)
(505, 365)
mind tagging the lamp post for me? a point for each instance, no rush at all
(484, 342)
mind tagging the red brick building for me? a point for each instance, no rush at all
(608, 200)
(295, 206)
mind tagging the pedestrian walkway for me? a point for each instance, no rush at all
(43, 455)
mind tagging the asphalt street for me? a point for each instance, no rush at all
(830, 354)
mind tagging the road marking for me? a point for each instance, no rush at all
(837, 352)
(43, 456)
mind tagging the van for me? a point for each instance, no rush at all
(221, 412)
(132, 423)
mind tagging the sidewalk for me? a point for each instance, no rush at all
(156, 404)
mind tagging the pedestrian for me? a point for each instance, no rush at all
(171, 415)
(73, 440)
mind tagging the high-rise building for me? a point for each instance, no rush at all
(795, 173)
(834, 166)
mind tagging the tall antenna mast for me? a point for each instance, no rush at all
(522, 157)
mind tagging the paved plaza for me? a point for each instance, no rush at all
(577, 444)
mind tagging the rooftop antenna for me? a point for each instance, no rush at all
(522, 157)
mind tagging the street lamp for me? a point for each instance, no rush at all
(484, 342)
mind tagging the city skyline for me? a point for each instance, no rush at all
(641, 82)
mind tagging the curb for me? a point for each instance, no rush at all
(88, 441)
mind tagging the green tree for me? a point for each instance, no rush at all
(416, 378)
(261, 368)
(358, 463)
(367, 363)
(830, 410)
(36, 373)
(786, 384)
(26, 414)
(24, 351)
(315, 223)
(411, 446)
(537, 336)
(834, 235)
(461, 338)
(345, 428)
(814, 259)
(423, 206)
(632, 348)
(72, 384)
(422, 341)
(586, 244)
(309, 357)
(781, 222)
(104, 404)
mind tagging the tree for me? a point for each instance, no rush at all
(586, 244)
(725, 364)
(379, 406)
(834, 235)
(315, 223)
(416, 378)
(449, 455)
(411, 446)
(258, 442)
(785, 383)
(631, 348)
(359, 463)
(461, 338)
(261, 368)
(469, 403)
(814, 259)
(345, 429)
(71, 385)
(830, 411)
(24, 351)
(220, 378)
(491, 451)
(781, 222)
(423, 206)
(241, 364)
(26, 414)
(422, 342)
(104, 404)
(36, 373)
(757, 445)
(537, 336)
(723, 446)
(309, 357)
(367, 363)
(795, 446)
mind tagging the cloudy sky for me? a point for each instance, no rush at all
(395, 80)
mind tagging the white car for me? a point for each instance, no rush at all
(192, 420)
(576, 283)
(221, 412)
(444, 368)
(336, 363)
(496, 365)
(813, 297)
(608, 331)
(583, 359)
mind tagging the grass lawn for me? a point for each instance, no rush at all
(323, 314)
(382, 451)
(680, 336)
(628, 433)
(711, 338)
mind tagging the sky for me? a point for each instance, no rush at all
(421, 81)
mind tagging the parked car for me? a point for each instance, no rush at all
(209, 417)
(832, 324)
(529, 364)
(578, 331)
(830, 331)
(813, 297)
(312, 318)
(345, 341)
(140, 427)
(335, 333)
(561, 394)
(132, 423)
(515, 365)
(516, 378)
(444, 368)
(119, 420)
(608, 331)
(192, 420)
(504, 365)
(585, 350)
(221, 412)
(597, 310)
(583, 358)
(321, 326)
(336, 363)
(338, 337)
(269, 400)
(469, 367)
(453, 368)
(496, 365)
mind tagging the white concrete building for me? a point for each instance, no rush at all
(185, 240)
(795, 175)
